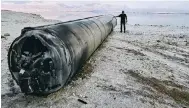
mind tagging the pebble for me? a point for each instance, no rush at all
(6, 34)
(3, 36)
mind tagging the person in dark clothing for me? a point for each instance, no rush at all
(123, 20)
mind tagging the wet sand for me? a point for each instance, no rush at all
(146, 67)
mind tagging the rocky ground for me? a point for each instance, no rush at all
(146, 67)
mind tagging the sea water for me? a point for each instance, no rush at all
(173, 19)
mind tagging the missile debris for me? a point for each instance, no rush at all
(44, 58)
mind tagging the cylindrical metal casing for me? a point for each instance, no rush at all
(44, 58)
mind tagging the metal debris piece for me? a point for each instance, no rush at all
(82, 101)
(22, 71)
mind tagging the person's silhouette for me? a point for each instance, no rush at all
(123, 20)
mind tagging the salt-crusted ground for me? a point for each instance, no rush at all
(146, 67)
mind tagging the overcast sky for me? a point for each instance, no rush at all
(130, 4)
(54, 8)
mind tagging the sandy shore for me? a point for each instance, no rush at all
(146, 67)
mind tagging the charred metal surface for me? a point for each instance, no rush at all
(44, 58)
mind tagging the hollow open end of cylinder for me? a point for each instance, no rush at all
(31, 65)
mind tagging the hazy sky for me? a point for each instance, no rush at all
(55, 8)
(130, 4)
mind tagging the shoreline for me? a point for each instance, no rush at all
(65, 18)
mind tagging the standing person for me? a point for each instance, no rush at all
(123, 20)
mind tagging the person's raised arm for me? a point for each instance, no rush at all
(119, 15)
